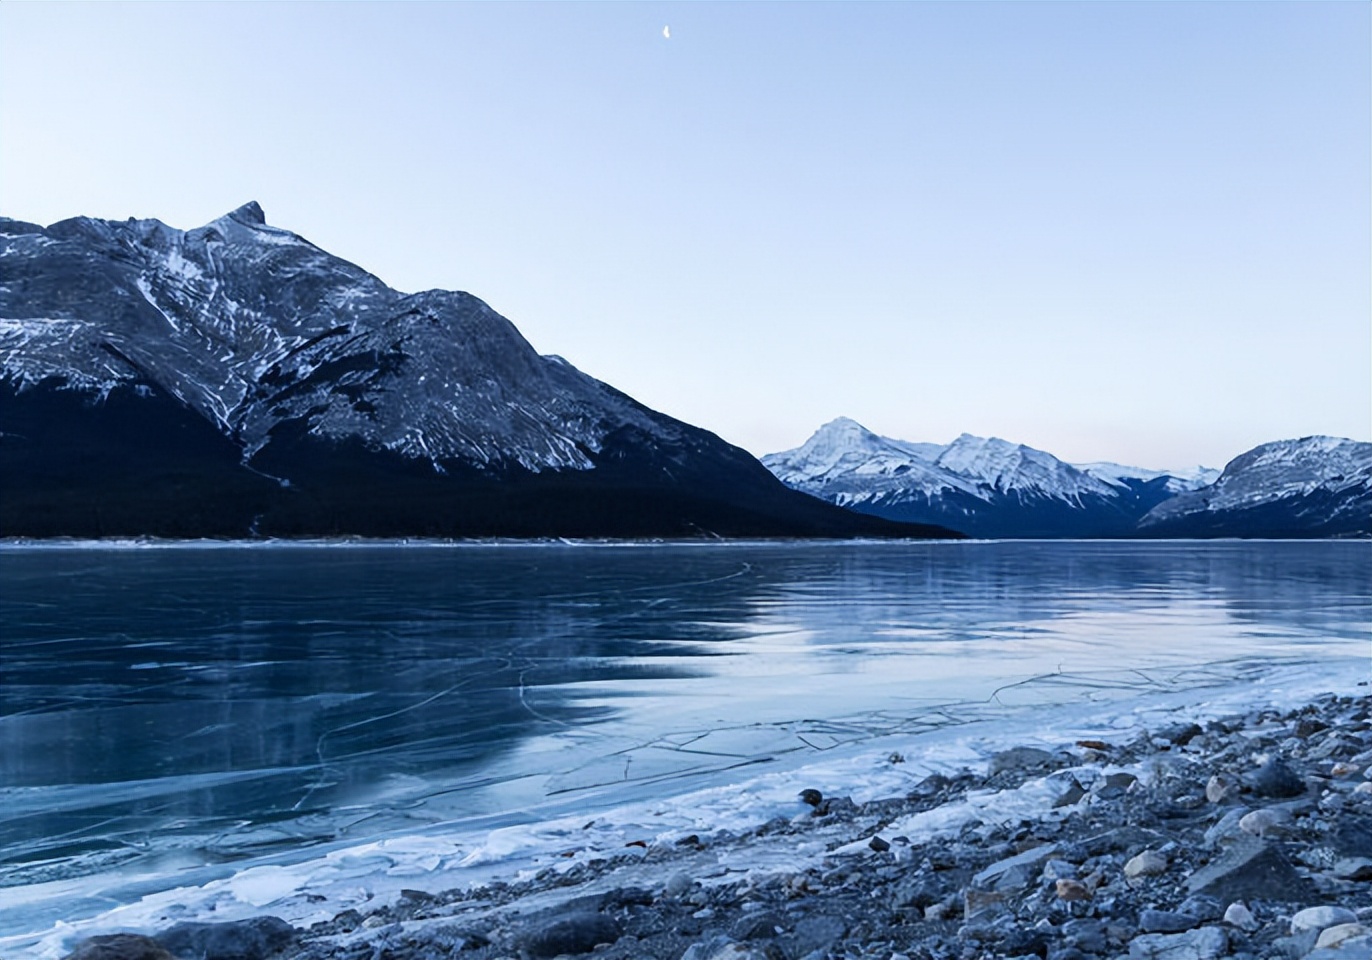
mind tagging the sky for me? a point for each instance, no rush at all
(1138, 232)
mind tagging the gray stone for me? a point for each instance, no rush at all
(814, 933)
(1207, 943)
(120, 946)
(578, 933)
(1113, 785)
(720, 947)
(1321, 918)
(1359, 948)
(757, 926)
(1165, 921)
(1029, 858)
(1227, 829)
(1019, 759)
(1351, 836)
(235, 940)
(1251, 869)
(1354, 868)
(1180, 734)
(1275, 779)
(1149, 863)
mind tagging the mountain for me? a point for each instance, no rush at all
(1311, 487)
(986, 487)
(236, 380)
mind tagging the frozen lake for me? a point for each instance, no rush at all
(173, 715)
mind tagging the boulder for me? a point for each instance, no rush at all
(578, 933)
(232, 940)
(1250, 870)
(1275, 779)
(120, 946)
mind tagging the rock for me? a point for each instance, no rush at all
(811, 796)
(720, 948)
(1309, 726)
(1207, 943)
(235, 940)
(1340, 933)
(678, 885)
(1113, 785)
(1351, 836)
(578, 933)
(1201, 907)
(1250, 869)
(1059, 870)
(1071, 890)
(1321, 918)
(1018, 760)
(1238, 915)
(1227, 829)
(1267, 822)
(812, 934)
(979, 903)
(878, 844)
(917, 891)
(1028, 858)
(1071, 794)
(1149, 863)
(1086, 934)
(120, 946)
(1180, 734)
(1275, 779)
(1165, 921)
(1221, 787)
(1358, 948)
(757, 926)
(1354, 868)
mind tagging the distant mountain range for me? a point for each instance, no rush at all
(235, 380)
(1315, 487)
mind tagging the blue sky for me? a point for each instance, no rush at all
(1128, 231)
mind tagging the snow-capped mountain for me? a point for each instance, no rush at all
(235, 378)
(984, 486)
(1314, 486)
(1176, 481)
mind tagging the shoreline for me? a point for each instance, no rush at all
(1029, 856)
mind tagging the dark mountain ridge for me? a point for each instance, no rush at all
(235, 380)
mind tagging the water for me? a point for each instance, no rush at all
(169, 715)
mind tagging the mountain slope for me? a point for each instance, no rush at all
(1311, 487)
(984, 486)
(235, 380)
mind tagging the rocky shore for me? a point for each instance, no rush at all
(1248, 837)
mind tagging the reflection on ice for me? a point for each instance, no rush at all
(174, 717)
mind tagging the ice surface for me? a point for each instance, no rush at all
(341, 721)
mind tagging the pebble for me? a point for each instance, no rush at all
(1149, 863)
(1267, 822)
(1221, 787)
(1238, 915)
(1072, 890)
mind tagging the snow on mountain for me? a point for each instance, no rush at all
(845, 460)
(250, 325)
(1177, 481)
(995, 488)
(1316, 486)
(205, 371)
